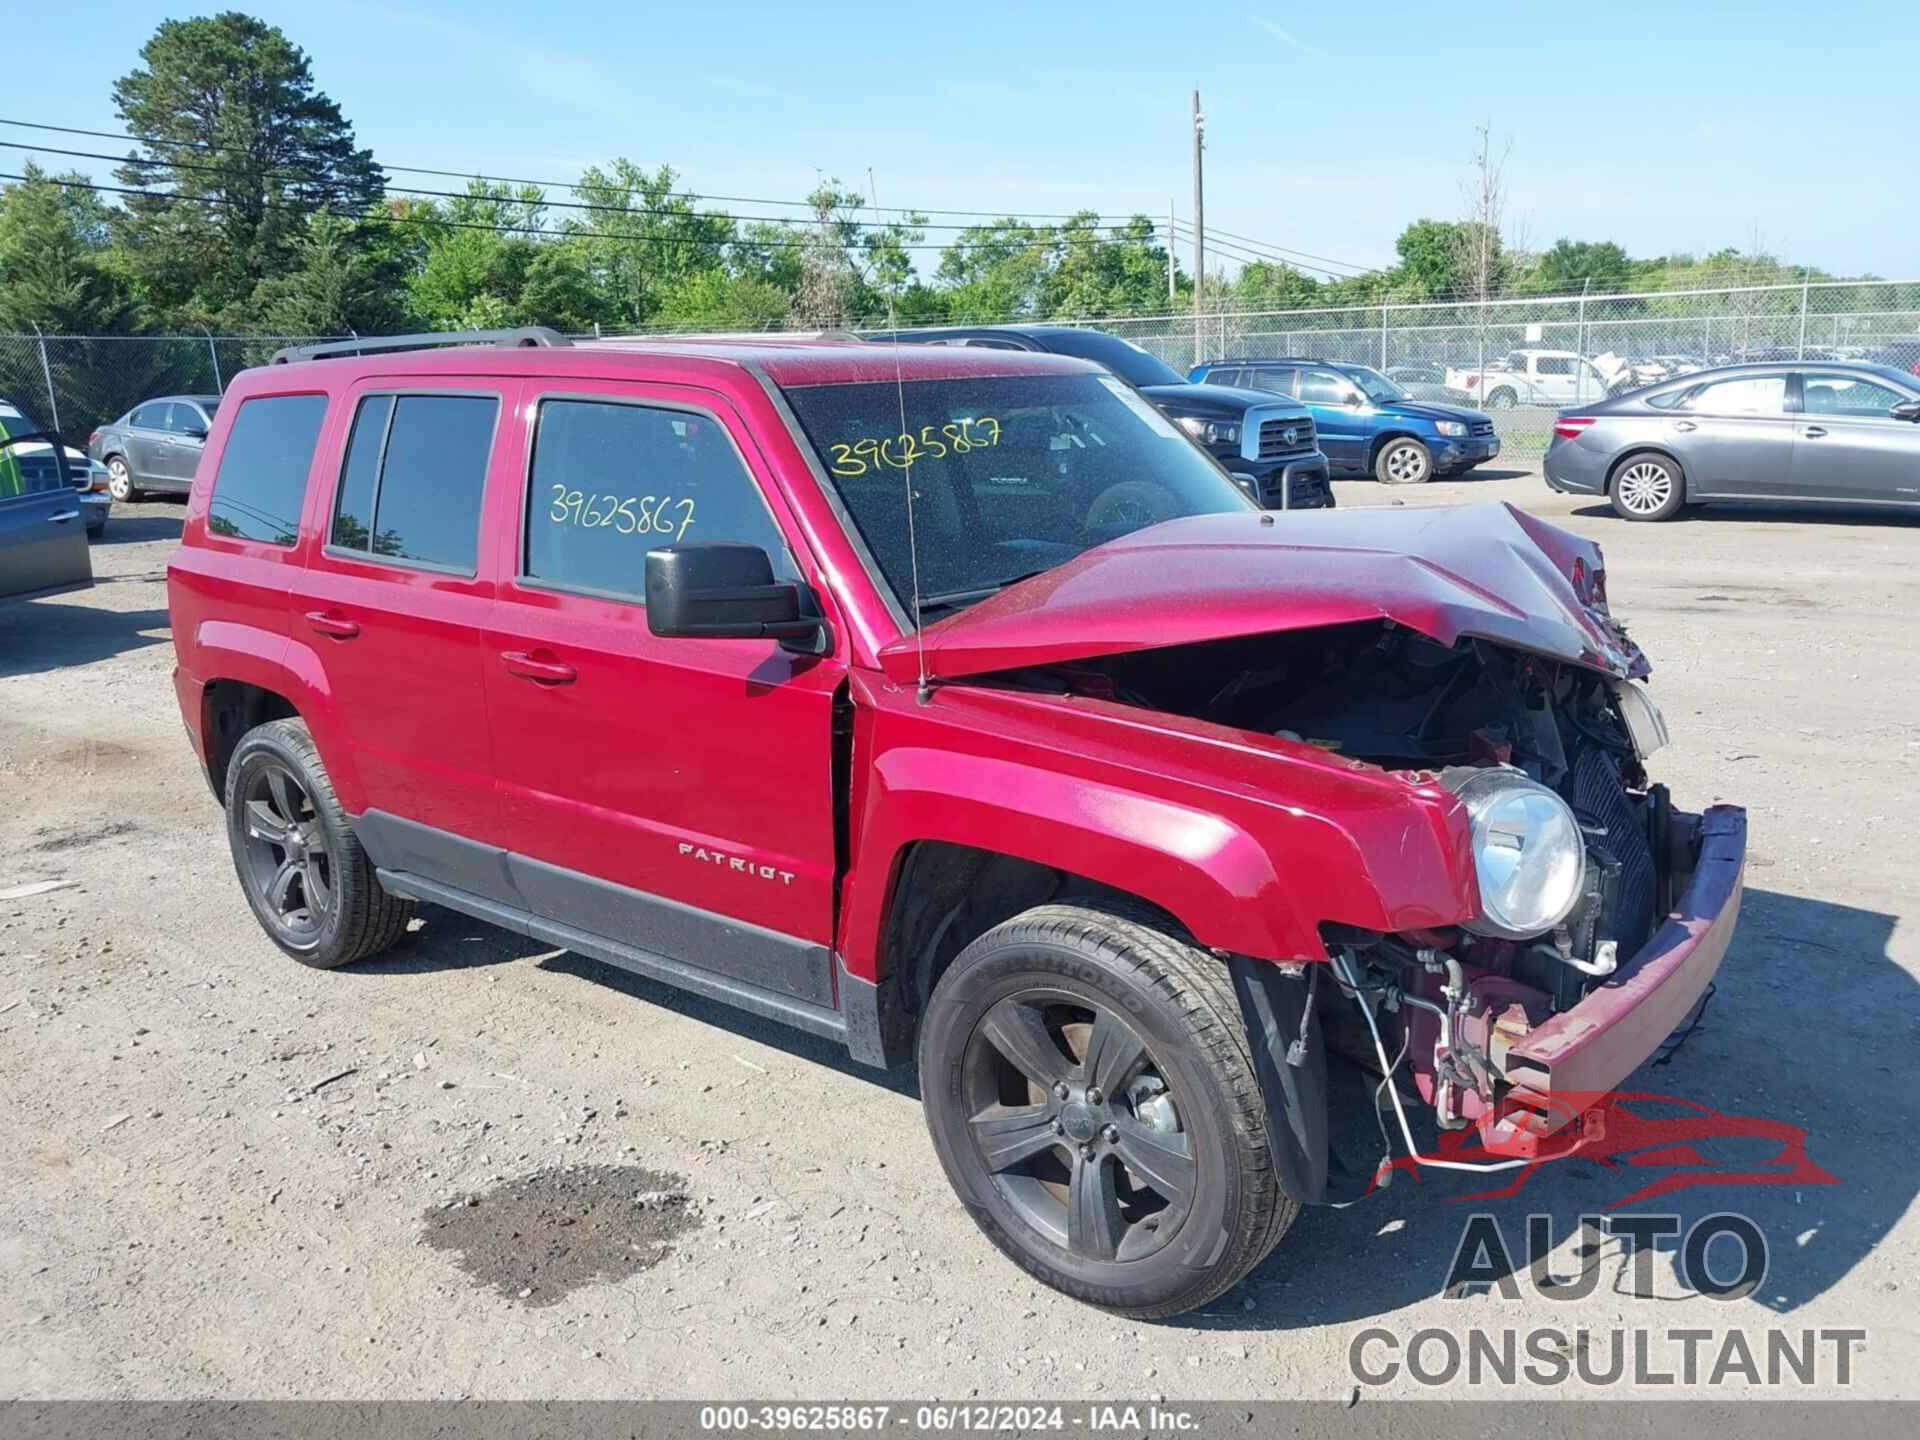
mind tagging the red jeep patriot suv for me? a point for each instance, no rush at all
(953, 701)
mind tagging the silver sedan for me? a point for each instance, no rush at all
(1774, 433)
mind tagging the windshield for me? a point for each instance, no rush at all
(1379, 389)
(1128, 361)
(1011, 476)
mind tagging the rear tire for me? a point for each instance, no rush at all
(1403, 461)
(1647, 486)
(310, 884)
(120, 481)
(1088, 1086)
(1502, 399)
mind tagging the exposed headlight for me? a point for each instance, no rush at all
(1453, 428)
(1210, 432)
(1528, 852)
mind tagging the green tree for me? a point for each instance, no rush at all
(1263, 285)
(338, 283)
(717, 300)
(997, 271)
(639, 241)
(243, 148)
(1431, 254)
(1121, 270)
(1572, 265)
(477, 254)
(56, 270)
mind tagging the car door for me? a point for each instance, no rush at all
(1848, 446)
(148, 442)
(187, 433)
(672, 795)
(1345, 427)
(43, 539)
(1735, 438)
(392, 608)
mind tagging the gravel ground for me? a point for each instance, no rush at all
(474, 1168)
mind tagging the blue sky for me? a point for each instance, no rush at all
(1662, 127)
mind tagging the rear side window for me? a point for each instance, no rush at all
(415, 473)
(1752, 395)
(1278, 382)
(612, 481)
(263, 471)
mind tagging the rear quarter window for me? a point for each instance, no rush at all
(414, 478)
(262, 481)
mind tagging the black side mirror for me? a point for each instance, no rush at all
(1906, 410)
(723, 591)
(194, 432)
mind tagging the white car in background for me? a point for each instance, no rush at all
(1540, 377)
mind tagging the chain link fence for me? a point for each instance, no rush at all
(74, 383)
(1519, 358)
(1524, 358)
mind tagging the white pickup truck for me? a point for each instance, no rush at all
(1540, 377)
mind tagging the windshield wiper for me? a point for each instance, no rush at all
(948, 599)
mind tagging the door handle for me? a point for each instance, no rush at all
(327, 623)
(1684, 426)
(542, 672)
(62, 517)
(1814, 432)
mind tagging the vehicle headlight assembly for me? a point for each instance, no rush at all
(1451, 428)
(1528, 853)
(1210, 432)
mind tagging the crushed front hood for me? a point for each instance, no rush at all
(1485, 571)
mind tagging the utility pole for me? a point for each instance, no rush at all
(1173, 294)
(1199, 225)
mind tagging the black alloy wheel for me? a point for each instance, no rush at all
(286, 864)
(307, 878)
(1077, 1125)
(1090, 1090)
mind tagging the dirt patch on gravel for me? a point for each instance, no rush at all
(537, 1238)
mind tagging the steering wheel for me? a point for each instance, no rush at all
(1130, 505)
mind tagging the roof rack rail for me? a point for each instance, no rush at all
(526, 335)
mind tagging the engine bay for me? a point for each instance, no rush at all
(1389, 696)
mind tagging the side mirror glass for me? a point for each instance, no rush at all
(725, 591)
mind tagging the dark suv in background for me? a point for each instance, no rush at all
(154, 446)
(1266, 442)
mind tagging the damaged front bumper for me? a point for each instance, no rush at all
(1562, 1066)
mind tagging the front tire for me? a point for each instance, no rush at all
(1089, 1089)
(1647, 486)
(310, 884)
(120, 481)
(1403, 462)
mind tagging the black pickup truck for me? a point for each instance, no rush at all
(1264, 441)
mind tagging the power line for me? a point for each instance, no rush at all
(413, 191)
(377, 217)
(1267, 250)
(547, 184)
